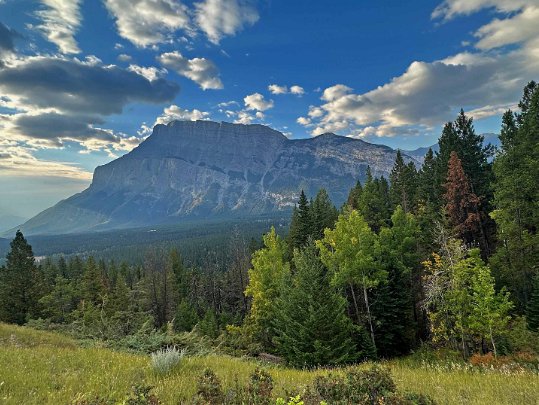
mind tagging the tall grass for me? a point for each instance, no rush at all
(46, 368)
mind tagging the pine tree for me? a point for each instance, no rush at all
(353, 197)
(374, 203)
(461, 204)
(19, 281)
(301, 226)
(311, 325)
(516, 194)
(323, 214)
(393, 306)
(92, 286)
(403, 184)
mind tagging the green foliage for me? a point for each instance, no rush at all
(311, 324)
(516, 193)
(142, 395)
(19, 283)
(349, 251)
(209, 389)
(265, 279)
(260, 387)
(185, 317)
(532, 314)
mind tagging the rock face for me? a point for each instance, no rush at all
(200, 169)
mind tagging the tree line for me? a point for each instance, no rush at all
(446, 254)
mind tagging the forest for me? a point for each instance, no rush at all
(440, 259)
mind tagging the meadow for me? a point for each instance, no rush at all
(47, 368)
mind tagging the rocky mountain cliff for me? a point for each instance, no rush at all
(201, 169)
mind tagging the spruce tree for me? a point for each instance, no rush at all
(323, 214)
(311, 326)
(19, 281)
(516, 194)
(461, 204)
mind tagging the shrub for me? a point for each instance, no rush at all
(373, 386)
(209, 390)
(260, 387)
(164, 360)
(141, 395)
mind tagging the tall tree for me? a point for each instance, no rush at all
(323, 214)
(311, 325)
(349, 251)
(265, 280)
(403, 184)
(374, 203)
(19, 281)
(461, 204)
(516, 194)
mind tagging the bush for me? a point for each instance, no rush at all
(209, 390)
(164, 360)
(260, 387)
(141, 395)
(373, 386)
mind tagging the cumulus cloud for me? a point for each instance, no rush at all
(219, 18)
(60, 20)
(201, 70)
(427, 94)
(277, 89)
(58, 99)
(148, 22)
(71, 85)
(175, 112)
(256, 101)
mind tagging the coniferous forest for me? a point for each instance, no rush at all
(440, 260)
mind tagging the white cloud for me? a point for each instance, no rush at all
(297, 90)
(256, 101)
(201, 70)
(219, 18)
(277, 89)
(149, 22)
(60, 20)
(17, 160)
(175, 112)
(151, 73)
(483, 82)
(123, 57)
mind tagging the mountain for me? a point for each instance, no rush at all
(202, 169)
(419, 153)
(8, 221)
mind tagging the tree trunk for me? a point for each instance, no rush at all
(355, 304)
(366, 297)
(492, 341)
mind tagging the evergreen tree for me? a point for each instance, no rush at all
(301, 226)
(19, 281)
(323, 214)
(403, 184)
(311, 325)
(374, 203)
(516, 194)
(461, 204)
(353, 197)
(92, 286)
(393, 306)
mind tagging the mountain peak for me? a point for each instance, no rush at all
(198, 169)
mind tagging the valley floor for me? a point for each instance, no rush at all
(45, 368)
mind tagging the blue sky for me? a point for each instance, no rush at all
(83, 82)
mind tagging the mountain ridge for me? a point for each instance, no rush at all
(200, 169)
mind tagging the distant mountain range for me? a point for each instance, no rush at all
(204, 169)
(201, 169)
(419, 153)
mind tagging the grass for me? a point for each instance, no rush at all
(45, 368)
